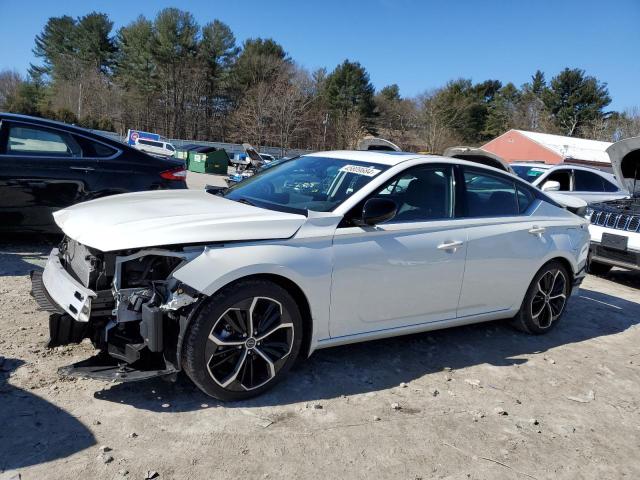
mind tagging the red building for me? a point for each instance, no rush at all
(520, 145)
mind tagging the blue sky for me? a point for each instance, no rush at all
(417, 44)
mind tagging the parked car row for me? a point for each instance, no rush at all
(46, 166)
(231, 285)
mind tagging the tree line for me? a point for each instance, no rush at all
(175, 77)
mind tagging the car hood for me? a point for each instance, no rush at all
(625, 160)
(170, 217)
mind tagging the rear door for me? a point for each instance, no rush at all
(41, 170)
(504, 242)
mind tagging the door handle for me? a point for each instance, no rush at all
(450, 245)
(84, 169)
(536, 230)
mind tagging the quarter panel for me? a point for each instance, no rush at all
(306, 262)
(503, 256)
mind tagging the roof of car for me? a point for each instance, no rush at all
(29, 118)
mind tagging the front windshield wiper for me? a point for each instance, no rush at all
(246, 202)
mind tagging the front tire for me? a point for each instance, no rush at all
(545, 300)
(243, 340)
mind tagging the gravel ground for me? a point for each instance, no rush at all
(477, 402)
(200, 180)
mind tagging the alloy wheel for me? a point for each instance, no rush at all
(249, 344)
(549, 299)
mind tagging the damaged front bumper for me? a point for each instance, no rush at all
(137, 335)
(62, 291)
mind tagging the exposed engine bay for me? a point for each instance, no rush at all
(629, 206)
(137, 315)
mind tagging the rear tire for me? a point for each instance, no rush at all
(242, 340)
(597, 268)
(545, 300)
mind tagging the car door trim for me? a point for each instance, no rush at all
(401, 327)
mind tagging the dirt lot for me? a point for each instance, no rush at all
(478, 402)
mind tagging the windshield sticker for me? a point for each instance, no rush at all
(358, 170)
(538, 171)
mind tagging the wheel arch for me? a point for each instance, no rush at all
(289, 285)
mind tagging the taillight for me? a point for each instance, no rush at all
(178, 173)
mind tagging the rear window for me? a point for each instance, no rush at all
(528, 173)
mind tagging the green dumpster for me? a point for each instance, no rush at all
(214, 161)
(182, 152)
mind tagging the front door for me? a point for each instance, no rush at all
(406, 271)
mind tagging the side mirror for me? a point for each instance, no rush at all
(378, 210)
(551, 186)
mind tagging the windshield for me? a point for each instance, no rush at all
(305, 183)
(528, 173)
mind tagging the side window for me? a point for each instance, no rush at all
(587, 181)
(421, 193)
(488, 195)
(95, 149)
(563, 177)
(608, 186)
(525, 199)
(32, 140)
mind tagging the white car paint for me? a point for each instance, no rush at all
(155, 147)
(587, 196)
(622, 154)
(596, 232)
(169, 217)
(362, 282)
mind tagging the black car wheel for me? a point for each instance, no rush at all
(545, 300)
(243, 340)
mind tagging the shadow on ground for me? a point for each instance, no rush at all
(383, 364)
(21, 254)
(32, 430)
(624, 277)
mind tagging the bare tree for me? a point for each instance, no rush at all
(437, 120)
(10, 81)
(289, 104)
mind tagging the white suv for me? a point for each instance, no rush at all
(589, 184)
(155, 147)
(615, 224)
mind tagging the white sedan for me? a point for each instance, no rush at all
(232, 285)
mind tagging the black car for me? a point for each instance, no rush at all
(47, 165)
